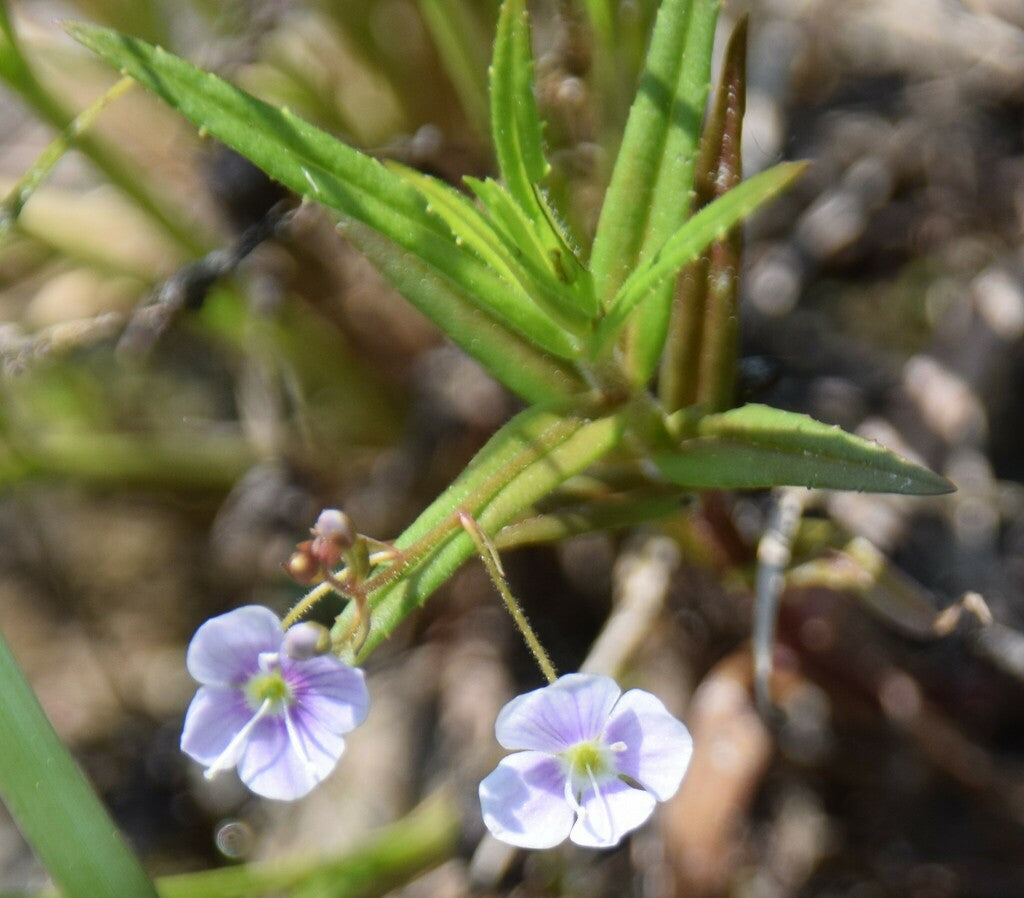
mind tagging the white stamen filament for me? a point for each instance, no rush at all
(229, 757)
(293, 738)
(604, 804)
(570, 797)
(618, 747)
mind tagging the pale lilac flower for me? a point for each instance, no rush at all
(594, 763)
(280, 720)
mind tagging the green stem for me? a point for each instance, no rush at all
(526, 460)
(489, 556)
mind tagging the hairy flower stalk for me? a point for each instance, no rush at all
(277, 715)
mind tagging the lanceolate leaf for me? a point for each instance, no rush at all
(650, 192)
(562, 285)
(515, 124)
(314, 164)
(698, 365)
(687, 243)
(523, 368)
(516, 129)
(757, 446)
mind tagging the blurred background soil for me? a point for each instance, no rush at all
(146, 491)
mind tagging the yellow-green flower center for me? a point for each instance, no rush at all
(268, 687)
(588, 761)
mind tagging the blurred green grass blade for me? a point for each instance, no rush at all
(698, 365)
(515, 123)
(18, 75)
(53, 804)
(688, 242)
(524, 461)
(461, 46)
(522, 367)
(22, 191)
(650, 191)
(323, 169)
(389, 858)
(757, 446)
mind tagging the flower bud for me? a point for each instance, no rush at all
(305, 640)
(302, 566)
(333, 535)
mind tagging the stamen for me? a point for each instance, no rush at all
(618, 747)
(604, 804)
(293, 737)
(267, 661)
(571, 798)
(229, 757)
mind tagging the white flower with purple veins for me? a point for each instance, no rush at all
(279, 719)
(594, 763)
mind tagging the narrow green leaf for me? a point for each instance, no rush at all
(27, 184)
(687, 243)
(469, 226)
(524, 461)
(314, 164)
(758, 446)
(698, 365)
(516, 259)
(561, 283)
(461, 45)
(54, 805)
(522, 367)
(19, 76)
(649, 196)
(515, 123)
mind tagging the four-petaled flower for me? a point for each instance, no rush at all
(594, 763)
(280, 720)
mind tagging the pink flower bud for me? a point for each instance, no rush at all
(333, 535)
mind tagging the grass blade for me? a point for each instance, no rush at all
(54, 805)
(461, 46)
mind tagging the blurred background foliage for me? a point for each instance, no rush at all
(151, 482)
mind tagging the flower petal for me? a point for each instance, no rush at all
(212, 721)
(225, 650)
(610, 813)
(573, 709)
(328, 692)
(657, 746)
(523, 801)
(284, 762)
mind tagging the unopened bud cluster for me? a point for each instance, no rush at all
(333, 535)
